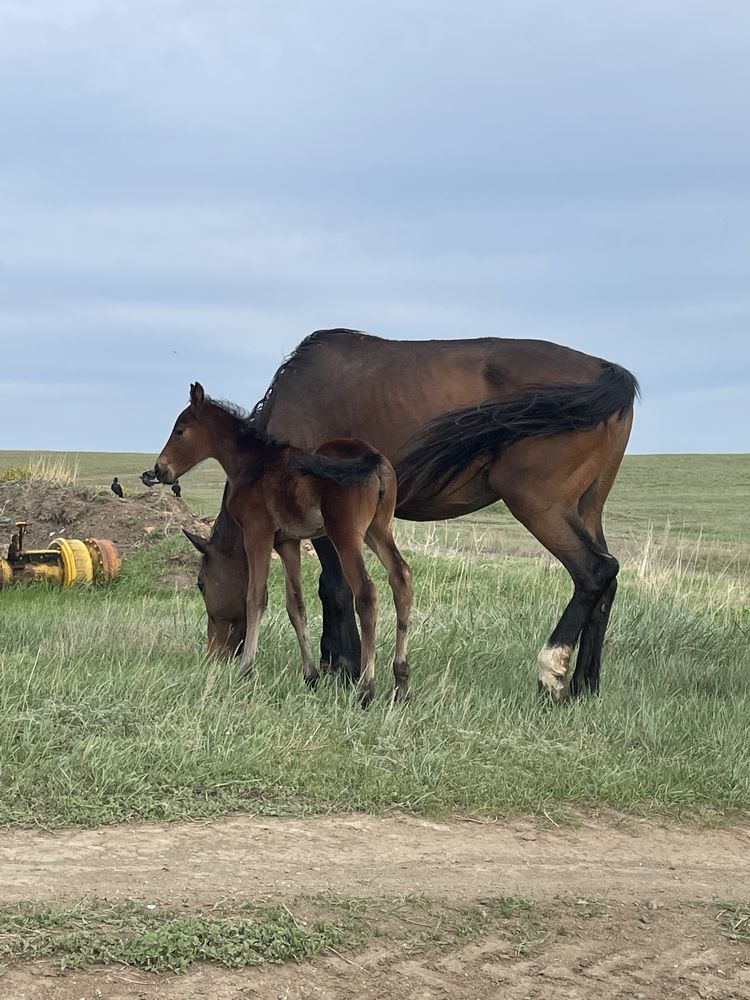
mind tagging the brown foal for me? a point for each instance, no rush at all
(279, 495)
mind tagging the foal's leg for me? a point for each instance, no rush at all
(380, 539)
(295, 606)
(258, 547)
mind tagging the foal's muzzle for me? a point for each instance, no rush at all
(162, 474)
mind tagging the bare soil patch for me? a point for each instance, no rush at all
(634, 922)
(132, 523)
(54, 511)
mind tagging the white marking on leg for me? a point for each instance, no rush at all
(553, 663)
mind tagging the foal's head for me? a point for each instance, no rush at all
(191, 440)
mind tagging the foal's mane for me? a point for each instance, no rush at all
(247, 429)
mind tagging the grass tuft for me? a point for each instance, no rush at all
(734, 922)
(56, 470)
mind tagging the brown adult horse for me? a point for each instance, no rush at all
(279, 495)
(465, 423)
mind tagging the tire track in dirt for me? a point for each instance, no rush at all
(647, 943)
(674, 954)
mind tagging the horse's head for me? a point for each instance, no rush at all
(222, 580)
(190, 441)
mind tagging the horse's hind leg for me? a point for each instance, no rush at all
(590, 508)
(592, 570)
(380, 539)
(542, 492)
(295, 606)
(589, 660)
(340, 647)
(347, 538)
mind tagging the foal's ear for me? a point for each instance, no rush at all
(197, 395)
(200, 543)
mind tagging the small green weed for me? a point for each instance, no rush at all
(163, 940)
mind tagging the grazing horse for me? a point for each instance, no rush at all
(465, 423)
(279, 495)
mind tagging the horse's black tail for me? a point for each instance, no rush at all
(451, 443)
(342, 471)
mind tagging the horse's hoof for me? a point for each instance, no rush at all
(246, 673)
(554, 696)
(312, 681)
(348, 670)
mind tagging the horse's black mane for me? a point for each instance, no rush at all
(300, 356)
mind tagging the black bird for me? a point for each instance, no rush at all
(116, 488)
(177, 489)
(148, 478)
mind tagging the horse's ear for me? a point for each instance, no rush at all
(200, 543)
(197, 395)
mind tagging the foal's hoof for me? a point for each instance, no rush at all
(312, 681)
(246, 672)
(402, 672)
(366, 692)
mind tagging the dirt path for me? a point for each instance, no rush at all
(283, 857)
(648, 943)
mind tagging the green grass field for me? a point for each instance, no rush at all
(111, 711)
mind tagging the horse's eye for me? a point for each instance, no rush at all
(201, 586)
(178, 432)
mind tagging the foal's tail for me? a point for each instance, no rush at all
(342, 471)
(454, 441)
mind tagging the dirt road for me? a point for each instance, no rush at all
(648, 941)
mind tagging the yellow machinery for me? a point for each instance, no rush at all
(67, 561)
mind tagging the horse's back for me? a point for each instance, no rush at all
(343, 384)
(346, 448)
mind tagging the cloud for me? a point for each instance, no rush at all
(188, 190)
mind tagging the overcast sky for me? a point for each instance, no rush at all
(187, 189)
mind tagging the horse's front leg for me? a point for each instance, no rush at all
(258, 542)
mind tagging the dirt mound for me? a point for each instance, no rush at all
(71, 512)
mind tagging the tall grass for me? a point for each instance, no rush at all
(56, 470)
(109, 709)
